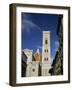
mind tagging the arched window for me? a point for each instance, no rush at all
(47, 59)
(33, 70)
(46, 42)
(47, 50)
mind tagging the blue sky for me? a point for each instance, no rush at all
(32, 26)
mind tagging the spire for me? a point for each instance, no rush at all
(38, 51)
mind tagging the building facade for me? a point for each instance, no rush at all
(46, 62)
(32, 65)
(38, 58)
(39, 64)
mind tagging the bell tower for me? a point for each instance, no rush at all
(46, 60)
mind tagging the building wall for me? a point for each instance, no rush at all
(32, 68)
(29, 54)
(28, 69)
(45, 69)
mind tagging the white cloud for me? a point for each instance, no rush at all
(56, 43)
(28, 25)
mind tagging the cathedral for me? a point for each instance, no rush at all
(37, 64)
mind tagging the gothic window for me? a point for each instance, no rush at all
(45, 50)
(47, 59)
(46, 42)
(33, 70)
